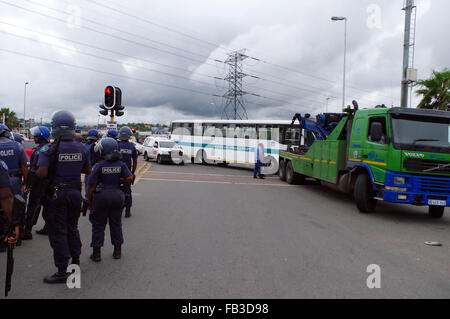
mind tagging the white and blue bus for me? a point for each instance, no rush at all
(234, 141)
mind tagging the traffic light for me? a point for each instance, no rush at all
(118, 96)
(104, 110)
(110, 97)
(119, 110)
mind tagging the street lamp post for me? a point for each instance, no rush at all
(345, 54)
(24, 106)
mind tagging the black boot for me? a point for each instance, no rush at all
(127, 212)
(57, 278)
(117, 252)
(96, 255)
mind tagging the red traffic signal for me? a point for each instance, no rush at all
(110, 97)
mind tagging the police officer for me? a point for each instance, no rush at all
(6, 215)
(15, 158)
(94, 157)
(106, 199)
(112, 133)
(61, 164)
(129, 157)
(41, 135)
(17, 137)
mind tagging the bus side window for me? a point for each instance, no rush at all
(250, 132)
(198, 129)
(264, 132)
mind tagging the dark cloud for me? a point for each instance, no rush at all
(296, 34)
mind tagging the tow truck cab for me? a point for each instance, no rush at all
(397, 155)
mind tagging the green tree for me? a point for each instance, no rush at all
(11, 119)
(435, 91)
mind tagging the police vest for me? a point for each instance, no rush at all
(109, 173)
(70, 162)
(9, 153)
(126, 149)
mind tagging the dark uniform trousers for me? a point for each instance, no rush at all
(107, 206)
(127, 192)
(61, 213)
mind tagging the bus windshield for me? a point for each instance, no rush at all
(424, 134)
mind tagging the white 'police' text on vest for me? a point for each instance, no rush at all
(7, 153)
(78, 157)
(111, 170)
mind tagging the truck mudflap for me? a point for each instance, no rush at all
(416, 189)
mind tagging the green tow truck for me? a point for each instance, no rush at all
(397, 155)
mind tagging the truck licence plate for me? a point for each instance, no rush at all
(436, 202)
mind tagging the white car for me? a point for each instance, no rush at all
(162, 150)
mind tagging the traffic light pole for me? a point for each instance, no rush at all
(112, 116)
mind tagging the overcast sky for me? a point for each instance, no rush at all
(300, 51)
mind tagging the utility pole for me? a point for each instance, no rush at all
(407, 78)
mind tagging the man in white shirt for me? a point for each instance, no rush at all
(259, 156)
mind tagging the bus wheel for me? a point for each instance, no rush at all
(436, 211)
(282, 170)
(292, 177)
(364, 199)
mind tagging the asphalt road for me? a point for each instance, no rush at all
(213, 232)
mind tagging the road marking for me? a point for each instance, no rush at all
(212, 182)
(203, 174)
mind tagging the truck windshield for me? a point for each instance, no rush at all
(421, 134)
(167, 144)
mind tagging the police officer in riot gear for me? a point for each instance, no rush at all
(129, 157)
(94, 157)
(60, 165)
(112, 133)
(41, 135)
(15, 158)
(17, 137)
(106, 199)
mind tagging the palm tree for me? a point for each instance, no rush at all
(435, 91)
(11, 119)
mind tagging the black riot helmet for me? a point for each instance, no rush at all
(108, 148)
(63, 125)
(125, 133)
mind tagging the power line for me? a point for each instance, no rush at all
(105, 58)
(104, 72)
(120, 30)
(102, 5)
(106, 50)
(108, 34)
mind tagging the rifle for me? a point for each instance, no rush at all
(9, 264)
(18, 212)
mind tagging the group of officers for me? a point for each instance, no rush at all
(52, 182)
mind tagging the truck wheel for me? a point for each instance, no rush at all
(436, 211)
(292, 177)
(282, 170)
(159, 160)
(365, 202)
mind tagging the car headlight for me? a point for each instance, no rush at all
(399, 180)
